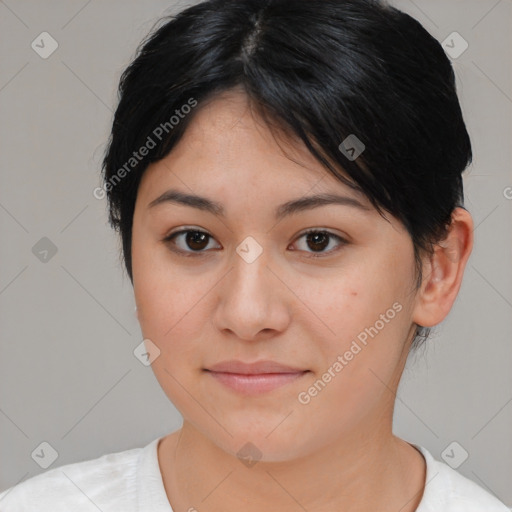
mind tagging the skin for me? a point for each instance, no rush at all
(336, 452)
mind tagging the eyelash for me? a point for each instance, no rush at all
(168, 239)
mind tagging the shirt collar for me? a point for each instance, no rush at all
(151, 493)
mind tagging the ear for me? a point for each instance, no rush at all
(443, 271)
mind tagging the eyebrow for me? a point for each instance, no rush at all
(288, 208)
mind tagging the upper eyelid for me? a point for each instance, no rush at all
(186, 230)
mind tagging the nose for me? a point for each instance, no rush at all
(253, 303)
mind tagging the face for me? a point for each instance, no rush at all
(243, 280)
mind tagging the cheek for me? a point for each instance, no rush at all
(347, 303)
(170, 310)
(166, 297)
(360, 367)
(368, 321)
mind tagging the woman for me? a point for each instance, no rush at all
(286, 180)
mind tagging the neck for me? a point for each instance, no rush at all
(366, 469)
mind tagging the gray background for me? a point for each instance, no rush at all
(68, 330)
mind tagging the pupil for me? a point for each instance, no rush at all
(196, 237)
(315, 237)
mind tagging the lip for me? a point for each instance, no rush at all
(256, 368)
(254, 378)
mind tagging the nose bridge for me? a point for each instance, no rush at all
(250, 273)
(250, 300)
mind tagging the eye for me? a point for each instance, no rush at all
(193, 239)
(194, 242)
(318, 240)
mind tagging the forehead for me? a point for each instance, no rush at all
(228, 145)
(228, 132)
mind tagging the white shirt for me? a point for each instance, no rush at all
(130, 481)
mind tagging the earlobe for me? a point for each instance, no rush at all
(443, 271)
